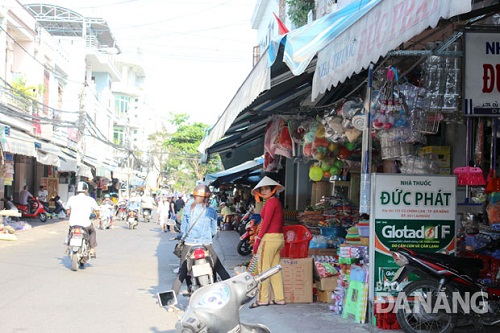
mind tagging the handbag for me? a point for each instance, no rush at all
(179, 247)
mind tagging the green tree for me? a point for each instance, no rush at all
(181, 159)
(298, 10)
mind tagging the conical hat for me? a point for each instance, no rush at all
(266, 181)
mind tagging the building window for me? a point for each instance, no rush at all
(118, 136)
(122, 105)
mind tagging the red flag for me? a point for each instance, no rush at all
(281, 26)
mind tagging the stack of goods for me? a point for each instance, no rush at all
(364, 231)
(350, 254)
(352, 236)
(310, 218)
(326, 276)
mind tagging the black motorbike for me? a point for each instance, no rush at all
(78, 247)
(446, 293)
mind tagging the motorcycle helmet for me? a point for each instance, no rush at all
(202, 191)
(82, 187)
(106, 196)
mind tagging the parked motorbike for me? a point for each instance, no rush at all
(443, 278)
(215, 308)
(244, 220)
(79, 246)
(133, 219)
(34, 209)
(245, 245)
(57, 206)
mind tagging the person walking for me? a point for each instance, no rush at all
(164, 214)
(269, 241)
(201, 221)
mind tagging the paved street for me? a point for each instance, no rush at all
(116, 292)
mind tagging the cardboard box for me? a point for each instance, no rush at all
(325, 296)
(297, 279)
(439, 154)
(327, 284)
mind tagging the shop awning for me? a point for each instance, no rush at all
(345, 42)
(47, 159)
(68, 164)
(20, 143)
(257, 81)
(226, 176)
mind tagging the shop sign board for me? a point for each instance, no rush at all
(413, 211)
(482, 73)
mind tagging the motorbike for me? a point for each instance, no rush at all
(106, 214)
(58, 206)
(244, 220)
(133, 219)
(245, 245)
(215, 308)
(200, 267)
(146, 214)
(34, 209)
(79, 246)
(443, 279)
(122, 210)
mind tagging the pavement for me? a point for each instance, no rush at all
(307, 317)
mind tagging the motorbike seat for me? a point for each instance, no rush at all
(468, 266)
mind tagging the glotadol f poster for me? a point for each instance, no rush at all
(413, 211)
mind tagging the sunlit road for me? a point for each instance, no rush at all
(113, 293)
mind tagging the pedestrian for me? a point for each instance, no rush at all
(43, 194)
(269, 241)
(179, 204)
(201, 221)
(79, 208)
(164, 214)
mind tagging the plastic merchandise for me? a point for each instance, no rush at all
(297, 239)
(418, 165)
(318, 242)
(333, 232)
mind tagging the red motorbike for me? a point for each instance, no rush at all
(33, 209)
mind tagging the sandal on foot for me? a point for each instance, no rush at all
(278, 303)
(257, 304)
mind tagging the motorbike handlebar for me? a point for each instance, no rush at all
(268, 273)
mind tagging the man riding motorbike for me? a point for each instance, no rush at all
(79, 209)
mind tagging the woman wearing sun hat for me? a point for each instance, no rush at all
(270, 240)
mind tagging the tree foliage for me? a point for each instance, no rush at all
(181, 160)
(298, 11)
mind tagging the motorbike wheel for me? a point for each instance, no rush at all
(244, 248)
(413, 317)
(74, 262)
(42, 217)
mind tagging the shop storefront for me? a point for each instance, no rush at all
(329, 124)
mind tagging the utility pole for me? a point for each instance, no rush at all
(80, 150)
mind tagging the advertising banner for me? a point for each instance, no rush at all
(413, 211)
(482, 73)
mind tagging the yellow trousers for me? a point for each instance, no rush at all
(269, 256)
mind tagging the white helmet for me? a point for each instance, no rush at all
(82, 187)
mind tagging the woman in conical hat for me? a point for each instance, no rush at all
(269, 240)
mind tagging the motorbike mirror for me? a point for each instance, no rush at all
(167, 298)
